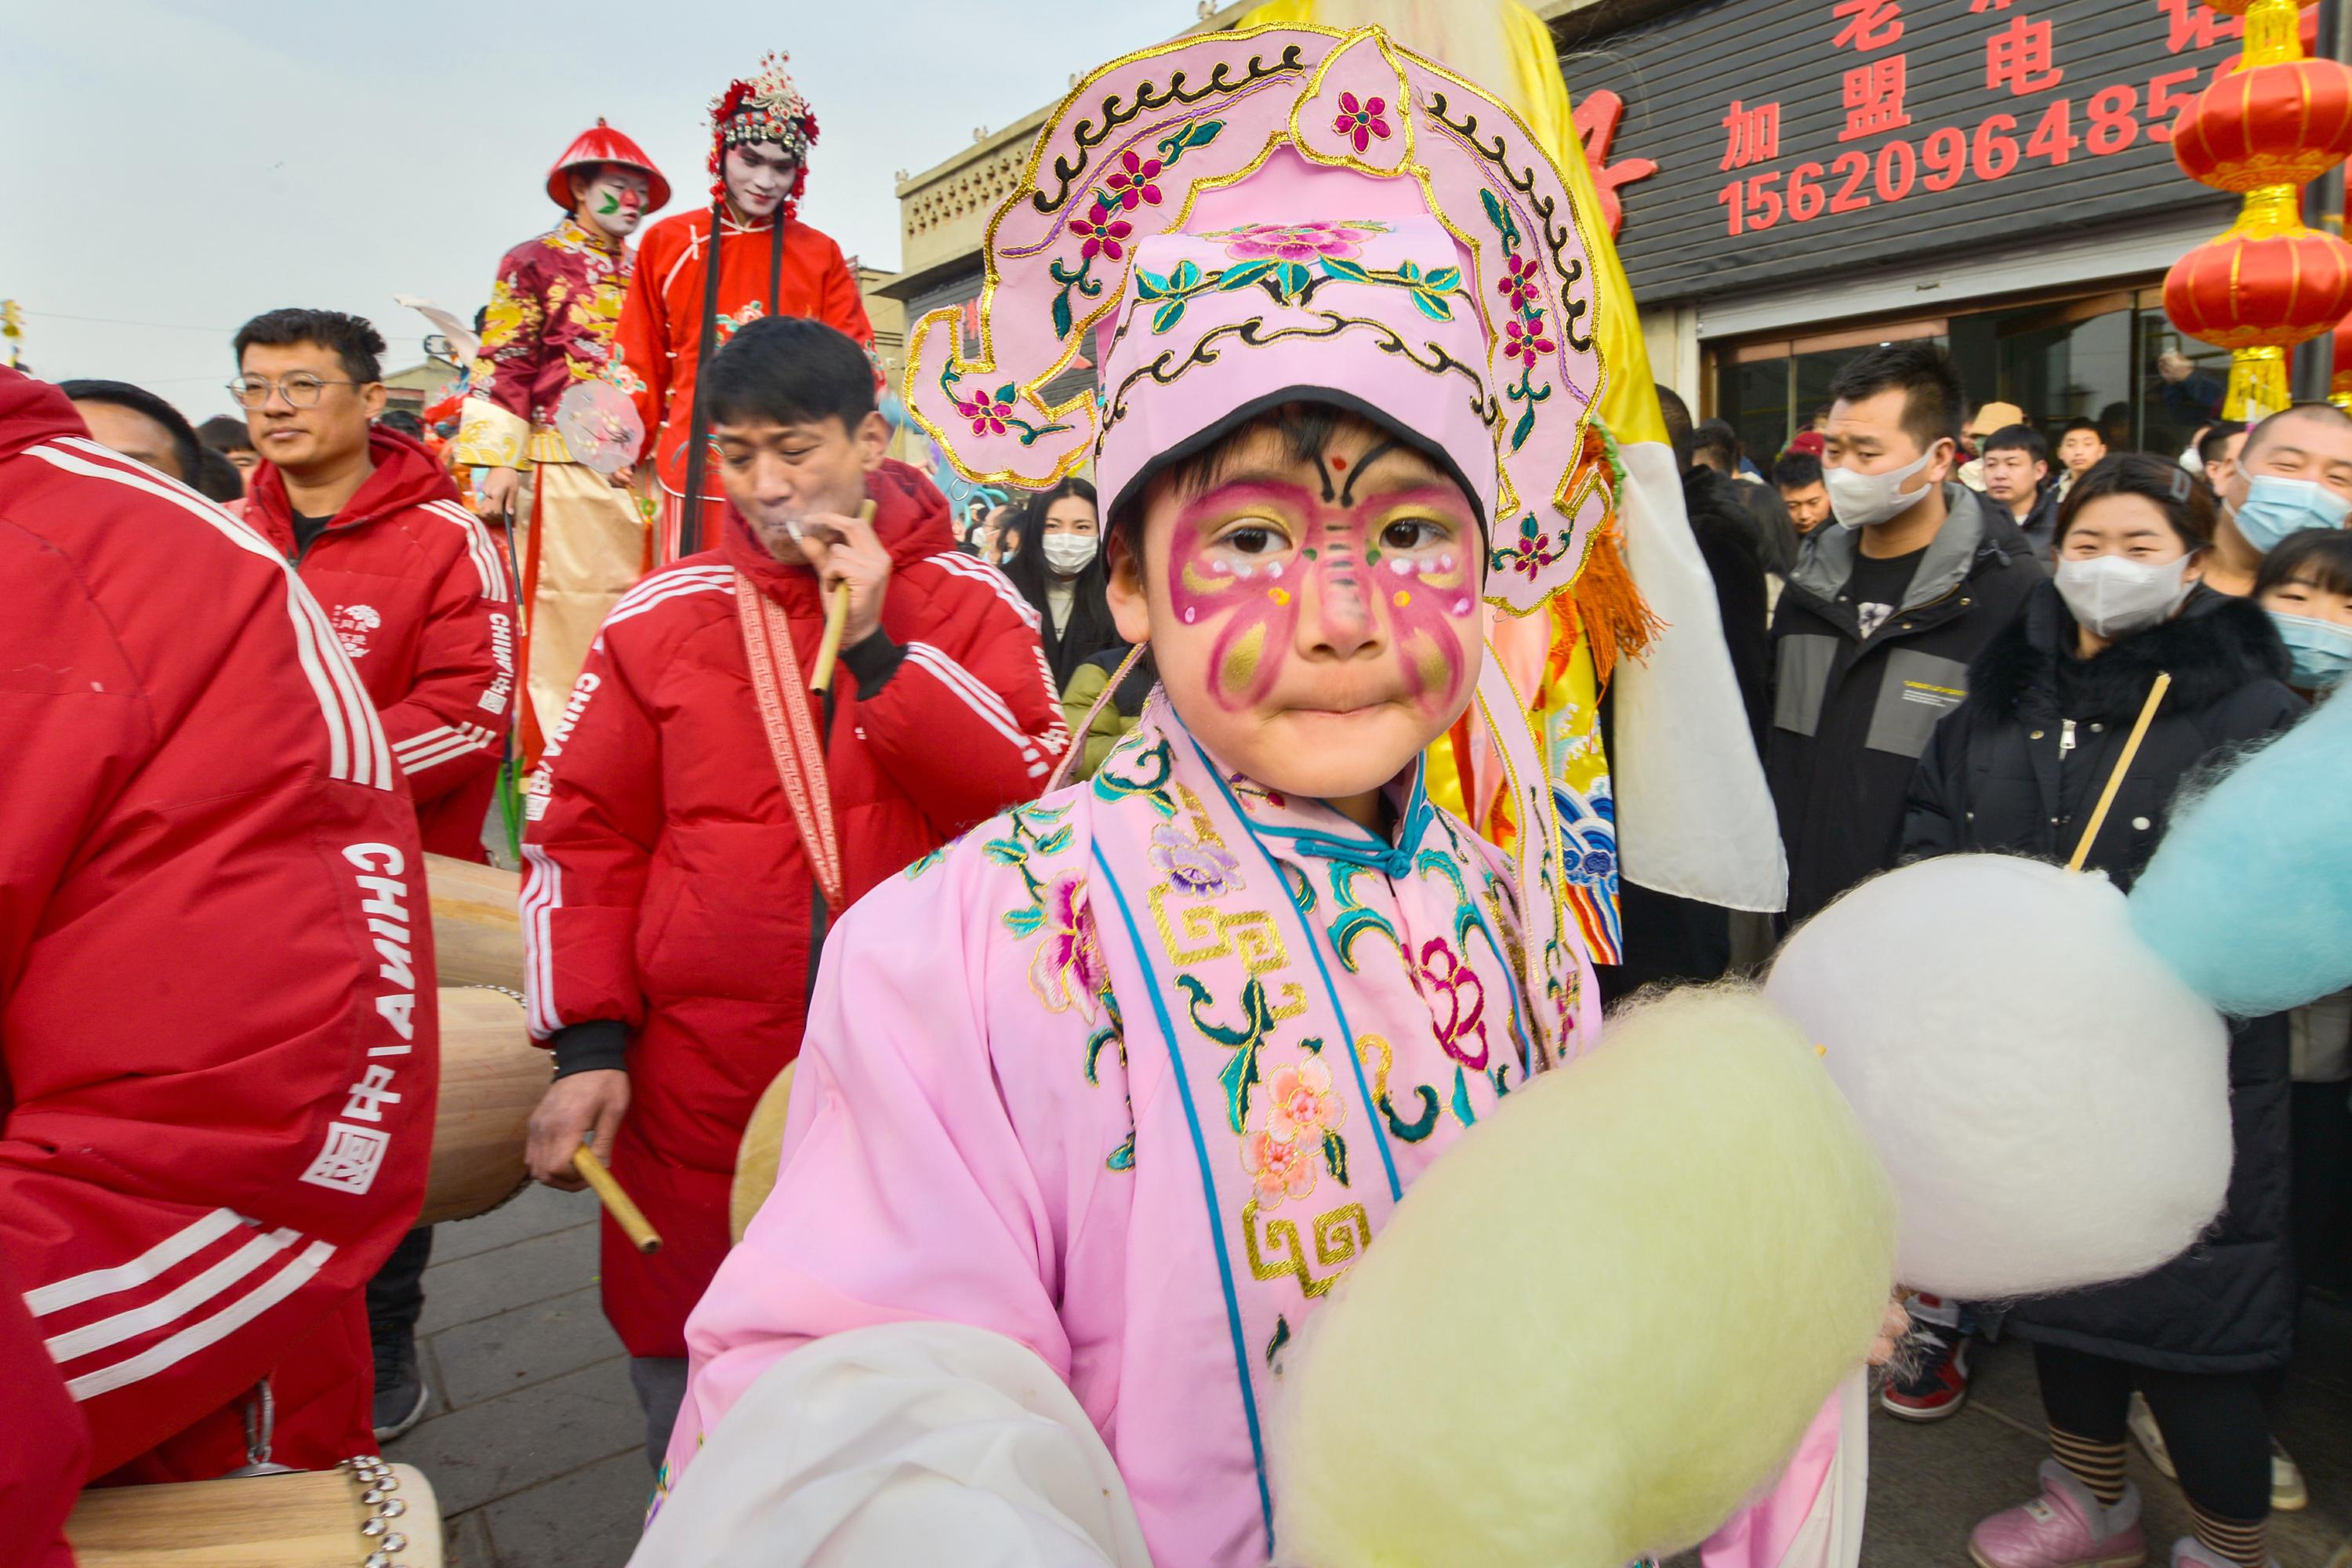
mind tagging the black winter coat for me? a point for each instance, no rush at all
(1850, 714)
(1997, 777)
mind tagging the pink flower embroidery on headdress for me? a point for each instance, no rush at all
(986, 413)
(1519, 280)
(1297, 242)
(1103, 235)
(1363, 123)
(1524, 340)
(1131, 183)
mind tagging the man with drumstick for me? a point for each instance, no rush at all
(216, 1080)
(701, 815)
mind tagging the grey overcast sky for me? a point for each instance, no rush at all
(187, 165)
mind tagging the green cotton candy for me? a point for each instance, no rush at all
(2249, 897)
(1603, 1319)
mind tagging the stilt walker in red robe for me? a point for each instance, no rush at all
(549, 328)
(700, 276)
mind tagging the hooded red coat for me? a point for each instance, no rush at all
(218, 1048)
(416, 590)
(668, 888)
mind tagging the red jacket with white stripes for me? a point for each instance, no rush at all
(667, 889)
(415, 587)
(218, 1048)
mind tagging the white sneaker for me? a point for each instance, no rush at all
(2288, 1494)
(2142, 1422)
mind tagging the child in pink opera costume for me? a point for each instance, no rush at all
(1098, 1103)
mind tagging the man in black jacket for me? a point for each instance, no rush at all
(2016, 464)
(1873, 633)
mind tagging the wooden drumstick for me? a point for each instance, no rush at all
(2122, 765)
(618, 1204)
(837, 616)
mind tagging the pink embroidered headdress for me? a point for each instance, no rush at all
(1240, 219)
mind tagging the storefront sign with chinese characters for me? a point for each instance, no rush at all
(1794, 137)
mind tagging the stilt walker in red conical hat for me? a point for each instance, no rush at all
(549, 328)
(702, 275)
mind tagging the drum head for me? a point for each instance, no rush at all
(755, 1162)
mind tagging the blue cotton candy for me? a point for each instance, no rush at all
(2249, 897)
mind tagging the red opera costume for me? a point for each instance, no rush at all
(549, 328)
(777, 265)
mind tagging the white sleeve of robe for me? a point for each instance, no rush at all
(896, 1443)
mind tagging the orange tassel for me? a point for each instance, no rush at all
(1616, 620)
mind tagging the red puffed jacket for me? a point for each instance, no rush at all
(218, 1046)
(667, 892)
(416, 588)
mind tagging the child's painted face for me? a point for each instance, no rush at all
(1315, 620)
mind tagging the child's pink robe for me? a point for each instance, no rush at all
(974, 1139)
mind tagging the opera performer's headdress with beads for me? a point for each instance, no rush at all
(1241, 219)
(763, 107)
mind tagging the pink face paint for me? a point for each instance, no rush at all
(1250, 558)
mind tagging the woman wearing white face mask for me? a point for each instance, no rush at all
(2016, 769)
(1058, 567)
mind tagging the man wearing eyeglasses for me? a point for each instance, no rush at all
(415, 589)
(413, 584)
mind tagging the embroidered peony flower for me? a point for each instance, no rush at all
(1363, 122)
(1195, 866)
(1131, 183)
(986, 413)
(1067, 970)
(1300, 1106)
(1519, 282)
(1297, 242)
(1103, 235)
(1455, 987)
(1280, 1170)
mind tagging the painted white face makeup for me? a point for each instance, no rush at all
(758, 175)
(616, 200)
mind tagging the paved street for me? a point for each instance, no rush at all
(534, 1443)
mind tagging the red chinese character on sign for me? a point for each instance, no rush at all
(1874, 98)
(2190, 24)
(2018, 57)
(1875, 23)
(1753, 134)
(1596, 120)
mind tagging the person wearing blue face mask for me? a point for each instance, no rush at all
(2305, 583)
(2295, 472)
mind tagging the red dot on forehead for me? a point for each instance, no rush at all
(1339, 462)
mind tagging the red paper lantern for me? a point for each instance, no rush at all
(2243, 292)
(2280, 124)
